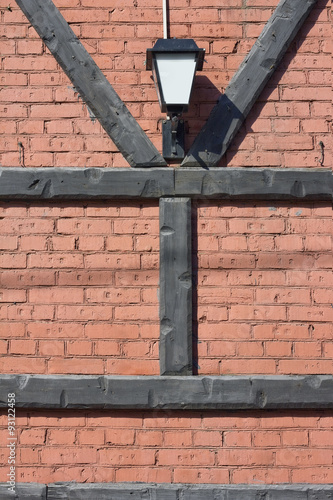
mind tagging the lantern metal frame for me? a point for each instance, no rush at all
(173, 128)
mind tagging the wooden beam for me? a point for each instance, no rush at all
(145, 491)
(84, 183)
(51, 184)
(91, 84)
(135, 491)
(247, 84)
(246, 392)
(175, 287)
(255, 183)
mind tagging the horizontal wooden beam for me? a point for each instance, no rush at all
(33, 184)
(91, 83)
(172, 393)
(145, 491)
(255, 183)
(248, 82)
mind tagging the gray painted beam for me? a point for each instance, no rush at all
(148, 491)
(84, 183)
(175, 287)
(23, 491)
(32, 184)
(91, 84)
(164, 392)
(248, 82)
(255, 183)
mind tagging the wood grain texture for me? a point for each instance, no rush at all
(248, 82)
(91, 84)
(31, 184)
(85, 183)
(132, 491)
(175, 287)
(255, 183)
(24, 491)
(168, 393)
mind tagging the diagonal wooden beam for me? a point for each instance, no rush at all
(92, 85)
(247, 84)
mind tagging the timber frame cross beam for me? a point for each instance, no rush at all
(177, 388)
(135, 491)
(224, 120)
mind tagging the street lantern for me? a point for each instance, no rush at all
(174, 63)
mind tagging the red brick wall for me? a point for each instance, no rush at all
(264, 291)
(79, 288)
(79, 282)
(190, 447)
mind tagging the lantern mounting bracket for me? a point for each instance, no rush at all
(173, 136)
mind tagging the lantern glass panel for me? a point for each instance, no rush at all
(175, 73)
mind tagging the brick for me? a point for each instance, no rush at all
(250, 312)
(227, 261)
(304, 367)
(61, 436)
(137, 349)
(121, 456)
(51, 347)
(314, 474)
(112, 260)
(26, 226)
(56, 295)
(112, 331)
(24, 347)
(119, 437)
(135, 312)
(250, 457)
(84, 278)
(76, 366)
(55, 260)
(283, 296)
(27, 311)
(12, 329)
(79, 348)
(107, 348)
(261, 475)
(197, 475)
(91, 436)
(55, 330)
(113, 295)
(248, 366)
(131, 367)
(32, 437)
(13, 261)
(20, 364)
(183, 438)
(295, 438)
(232, 439)
(186, 457)
(12, 296)
(266, 439)
(222, 348)
(143, 475)
(303, 457)
(278, 349)
(84, 312)
(69, 455)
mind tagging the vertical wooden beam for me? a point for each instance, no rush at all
(175, 287)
